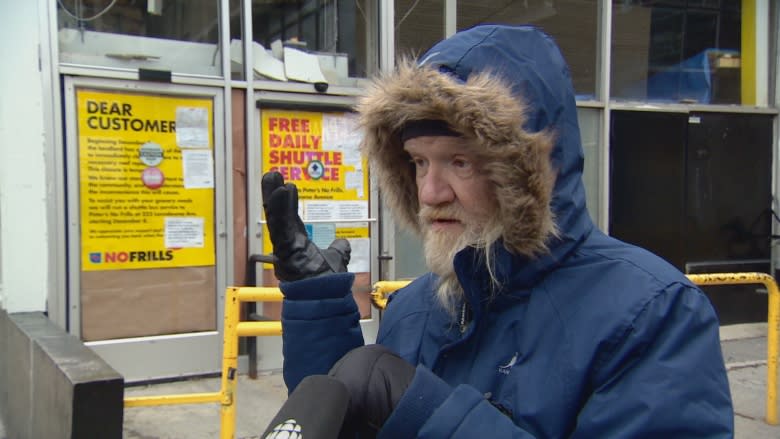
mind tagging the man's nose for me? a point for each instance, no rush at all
(434, 188)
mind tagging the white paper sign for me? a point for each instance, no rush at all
(340, 133)
(335, 129)
(317, 210)
(198, 168)
(359, 261)
(192, 127)
(354, 180)
(183, 232)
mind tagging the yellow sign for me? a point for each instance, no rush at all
(319, 153)
(146, 180)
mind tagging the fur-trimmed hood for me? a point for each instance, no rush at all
(508, 88)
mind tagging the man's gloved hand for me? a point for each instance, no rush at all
(296, 256)
(376, 379)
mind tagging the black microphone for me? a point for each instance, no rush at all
(314, 410)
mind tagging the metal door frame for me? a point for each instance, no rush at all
(163, 356)
(269, 348)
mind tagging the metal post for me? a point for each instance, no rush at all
(229, 364)
(773, 323)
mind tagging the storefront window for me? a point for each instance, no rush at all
(418, 26)
(573, 24)
(179, 36)
(313, 40)
(236, 38)
(677, 51)
(590, 126)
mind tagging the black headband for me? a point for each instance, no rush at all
(426, 127)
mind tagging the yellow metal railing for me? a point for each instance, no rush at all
(234, 328)
(773, 323)
(384, 288)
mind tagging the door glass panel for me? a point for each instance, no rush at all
(180, 36)
(678, 52)
(146, 207)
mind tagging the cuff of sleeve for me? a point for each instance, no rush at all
(329, 286)
(425, 394)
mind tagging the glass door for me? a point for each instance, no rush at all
(313, 142)
(146, 224)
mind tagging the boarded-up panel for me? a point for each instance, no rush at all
(136, 303)
(239, 189)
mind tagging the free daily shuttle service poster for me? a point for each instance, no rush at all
(318, 151)
(146, 180)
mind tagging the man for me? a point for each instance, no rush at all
(533, 323)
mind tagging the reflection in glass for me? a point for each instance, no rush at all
(590, 126)
(418, 26)
(236, 37)
(677, 51)
(573, 24)
(176, 35)
(333, 33)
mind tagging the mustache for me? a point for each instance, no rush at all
(451, 212)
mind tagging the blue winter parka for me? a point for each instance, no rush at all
(594, 339)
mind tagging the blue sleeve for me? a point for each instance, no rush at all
(665, 379)
(320, 323)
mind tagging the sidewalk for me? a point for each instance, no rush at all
(745, 352)
(257, 401)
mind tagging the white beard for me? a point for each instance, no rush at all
(440, 248)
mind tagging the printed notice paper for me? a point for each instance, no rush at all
(183, 232)
(198, 169)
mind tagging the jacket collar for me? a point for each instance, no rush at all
(517, 275)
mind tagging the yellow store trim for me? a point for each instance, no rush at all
(748, 74)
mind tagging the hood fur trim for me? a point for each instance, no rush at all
(484, 109)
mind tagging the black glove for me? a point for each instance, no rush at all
(376, 379)
(296, 257)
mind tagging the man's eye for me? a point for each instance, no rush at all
(418, 163)
(462, 167)
(461, 163)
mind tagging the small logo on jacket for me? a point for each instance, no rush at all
(506, 368)
(287, 429)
